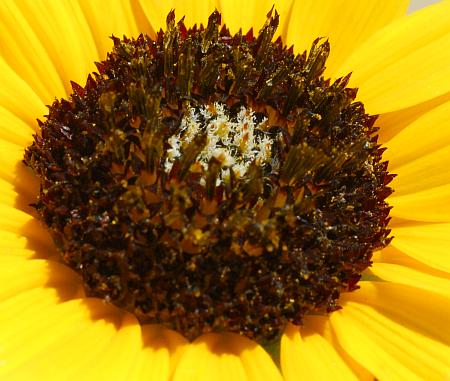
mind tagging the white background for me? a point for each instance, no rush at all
(417, 4)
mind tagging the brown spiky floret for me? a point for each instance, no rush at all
(180, 248)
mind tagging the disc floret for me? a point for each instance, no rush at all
(234, 142)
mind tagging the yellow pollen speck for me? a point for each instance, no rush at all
(198, 234)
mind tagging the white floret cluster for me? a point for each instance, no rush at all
(235, 141)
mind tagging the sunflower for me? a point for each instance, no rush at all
(393, 327)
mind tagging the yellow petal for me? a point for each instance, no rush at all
(156, 12)
(26, 303)
(116, 361)
(10, 196)
(15, 212)
(159, 354)
(408, 306)
(22, 49)
(15, 172)
(70, 353)
(14, 129)
(393, 348)
(8, 193)
(404, 275)
(18, 97)
(346, 24)
(12, 244)
(427, 243)
(72, 334)
(225, 357)
(425, 172)
(253, 14)
(24, 241)
(14, 240)
(428, 133)
(431, 205)
(62, 29)
(392, 123)
(194, 11)
(16, 221)
(305, 352)
(12, 219)
(31, 241)
(21, 235)
(110, 18)
(16, 246)
(19, 276)
(402, 64)
(392, 255)
(11, 156)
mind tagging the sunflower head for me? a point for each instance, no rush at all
(213, 182)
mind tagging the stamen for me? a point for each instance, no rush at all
(235, 142)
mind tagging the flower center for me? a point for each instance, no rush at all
(213, 182)
(235, 142)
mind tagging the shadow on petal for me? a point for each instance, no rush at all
(26, 186)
